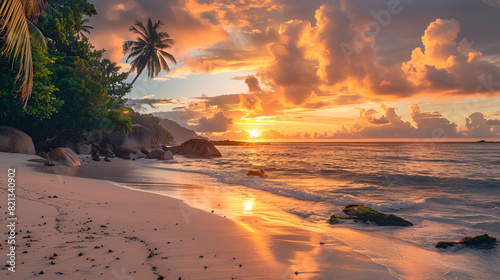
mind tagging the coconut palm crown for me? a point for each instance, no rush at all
(148, 49)
(16, 32)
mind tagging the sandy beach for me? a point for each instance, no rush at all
(77, 228)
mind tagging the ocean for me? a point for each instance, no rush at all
(447, 190)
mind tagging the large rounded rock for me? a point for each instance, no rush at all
(63, 156)
(198, 147)
(141, 137)
(13, 140)
(84, 148)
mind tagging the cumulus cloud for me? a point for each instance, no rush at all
(478, 126)
(330, 43)
(290, 73)
(389, 124)
(446, 64)
(217, 123)
(432, 125)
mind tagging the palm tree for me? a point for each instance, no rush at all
(83, 28)
(148, 49)
(16, 31)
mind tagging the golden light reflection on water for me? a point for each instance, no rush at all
(249, 204)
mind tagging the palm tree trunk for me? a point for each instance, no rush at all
(138, 74)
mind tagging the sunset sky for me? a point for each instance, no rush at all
(319, 70)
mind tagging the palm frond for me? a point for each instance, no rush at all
(169, 56)
(37, 35)
(18, 41)
(33, 8)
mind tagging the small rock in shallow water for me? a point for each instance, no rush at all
(261, 173)
(479, 240)
(358, 212)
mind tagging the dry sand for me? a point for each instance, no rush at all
(76, 228)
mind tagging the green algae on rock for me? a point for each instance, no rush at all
(358, 212)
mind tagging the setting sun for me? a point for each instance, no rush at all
(253, 133)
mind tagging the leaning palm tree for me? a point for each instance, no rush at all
(148, 49)
(16, 32)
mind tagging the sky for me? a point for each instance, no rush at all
(294, 70)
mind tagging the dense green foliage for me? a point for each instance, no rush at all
(42, 104)
(75, 89)
(153, 123)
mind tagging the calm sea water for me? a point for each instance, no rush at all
(448, 190)
(386, 176)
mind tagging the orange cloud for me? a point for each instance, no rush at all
(242, 15)
(448, 66)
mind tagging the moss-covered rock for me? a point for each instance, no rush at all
(334, 219)
(479, 240)
(358, 212)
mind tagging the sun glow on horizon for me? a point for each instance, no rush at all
(253, 133)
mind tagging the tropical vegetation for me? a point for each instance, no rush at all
(17, 18)
(76, 90)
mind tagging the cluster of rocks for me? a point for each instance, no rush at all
(361, 213)
(141, 142)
